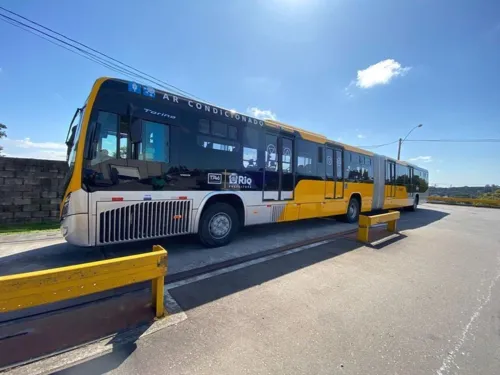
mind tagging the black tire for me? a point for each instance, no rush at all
(218, 217)
(352, 214)
(415, 204)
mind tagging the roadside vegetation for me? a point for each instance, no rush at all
(31, 227)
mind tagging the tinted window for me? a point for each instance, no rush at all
(213, 143)
(368, 168)
(232, 132)
(204, 126)
(155, 145)
(250, 147)
(329, 163)
(123, 145)
(388, 173)
(358, 167)
(402, 175)
(217, 135)
(219, 129)
(307, 159)
(338, 164)
(107, 138)
(420, 181)
(352, 168)
(286, 156)
(271, 152)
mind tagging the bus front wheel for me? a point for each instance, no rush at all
(219, 224)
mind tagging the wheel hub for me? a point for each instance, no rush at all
(220, 225)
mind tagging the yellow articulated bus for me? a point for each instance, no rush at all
(145, 163)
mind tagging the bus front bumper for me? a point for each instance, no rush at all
(75, 229)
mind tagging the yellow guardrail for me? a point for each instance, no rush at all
(468, 201)
(32, 289)
(365, 222)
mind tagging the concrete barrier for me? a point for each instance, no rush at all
(32, 289)
(365, 222)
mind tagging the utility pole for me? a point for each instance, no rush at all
(401, 140)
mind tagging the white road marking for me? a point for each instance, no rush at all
(222, 271)
(449, 360)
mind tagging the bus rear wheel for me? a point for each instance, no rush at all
(219, 224)
(352, 214)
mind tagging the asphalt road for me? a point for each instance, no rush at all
(425, 303)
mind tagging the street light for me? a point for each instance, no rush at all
(404, 139)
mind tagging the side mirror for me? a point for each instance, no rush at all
(136, 131)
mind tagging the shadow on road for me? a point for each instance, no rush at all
(62, 254)
(111, 360)
(198, 293)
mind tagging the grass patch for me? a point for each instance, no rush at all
(29, 227)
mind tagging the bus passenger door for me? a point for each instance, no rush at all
(279, 179)
(390, 182)
(271, 169)
(330, 174)
(338, 169)
(287, 177)
(409, 186)
(334, 186)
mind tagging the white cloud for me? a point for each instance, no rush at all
(262, 113)
(361, 136)
(25, 148)
(424, 159)
(380, 73)
(27, 143)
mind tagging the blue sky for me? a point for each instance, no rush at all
(361, 71)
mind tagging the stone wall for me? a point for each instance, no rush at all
(30, 190)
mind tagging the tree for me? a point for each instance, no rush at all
(3, 134)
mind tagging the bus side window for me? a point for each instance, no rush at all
(155, 145)
(307, 159)
(250, 147)
(217, 135)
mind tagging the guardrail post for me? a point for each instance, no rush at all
(391, 226)
(364, 228)
(363, 234)
(158, 285)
